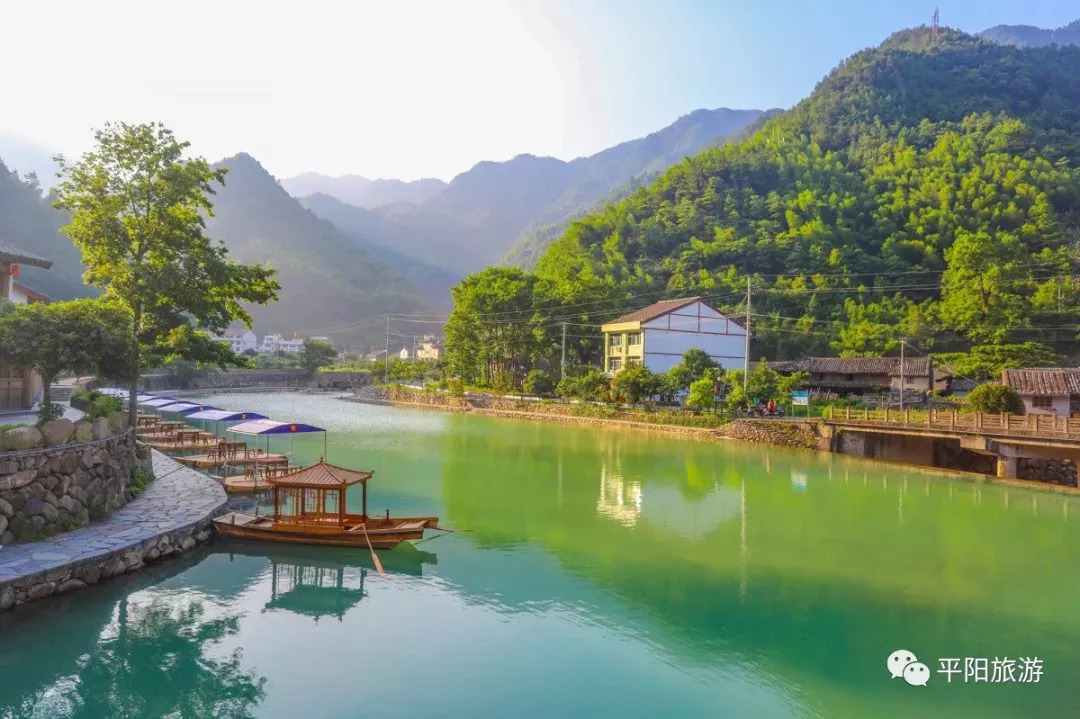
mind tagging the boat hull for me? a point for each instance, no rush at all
(382, 533)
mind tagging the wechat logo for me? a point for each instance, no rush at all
(902, 664)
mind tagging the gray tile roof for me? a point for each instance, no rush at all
(913, 366)
(1043, 381)
(11, 253)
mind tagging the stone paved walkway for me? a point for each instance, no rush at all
(179, 498)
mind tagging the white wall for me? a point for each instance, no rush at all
(16, 295)
(696, 326)
(1060, 408)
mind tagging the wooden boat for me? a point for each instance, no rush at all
(216, 459)
(309, 508)
(257, 479)
(172, 448)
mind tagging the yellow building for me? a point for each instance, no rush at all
(657, 336)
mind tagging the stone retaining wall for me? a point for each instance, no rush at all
(802, 435)
(171, 517)
(55, 489)
(1050, 471)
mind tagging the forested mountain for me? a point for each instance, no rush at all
(926, 189)
(361, 191)
(482, 212)
(28, 220)
(328, 281)
(26, 158)
(354, 222)
(1031, 36)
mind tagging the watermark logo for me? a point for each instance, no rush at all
(903, 664)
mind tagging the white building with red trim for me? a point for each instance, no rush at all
(657, 336)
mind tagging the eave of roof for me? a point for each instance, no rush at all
(11, 253)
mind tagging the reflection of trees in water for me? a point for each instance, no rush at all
(154, 660)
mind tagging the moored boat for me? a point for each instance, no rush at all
(309, 508)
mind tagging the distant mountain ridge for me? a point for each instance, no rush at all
(1031, 36)
(329, 282)
(482, 213)
(362, 192)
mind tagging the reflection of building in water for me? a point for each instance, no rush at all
(312, 590)
(619, 500)
(798, 480)
(670, 509)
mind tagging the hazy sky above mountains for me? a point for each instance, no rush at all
(418, 88)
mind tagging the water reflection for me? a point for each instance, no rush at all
(154, 652)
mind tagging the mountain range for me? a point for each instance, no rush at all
(483, 213)
(1031, 36)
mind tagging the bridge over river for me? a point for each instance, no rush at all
(1017, 444)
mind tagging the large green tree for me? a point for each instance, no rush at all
(316, 354)
(137, 209)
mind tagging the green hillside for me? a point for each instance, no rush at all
(328, 282)
(28, 220)
(926, 189)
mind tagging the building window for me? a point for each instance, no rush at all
(911, 380)
(634, 339)
(633, 362)
(616, 341)
(615, 364)
(1046, 403)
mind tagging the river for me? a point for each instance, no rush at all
(604, 573)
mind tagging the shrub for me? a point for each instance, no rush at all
(103, 406)
(992, 397)
(140, 478)
(456, 386)
(49, 412)
(538, 382)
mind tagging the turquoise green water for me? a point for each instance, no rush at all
(605, 573)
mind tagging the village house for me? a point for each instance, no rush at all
(657, 336)
(1047, 390)
(276, 343)
(429, 348)
(19, 386)
(862, 375)
(239, 339)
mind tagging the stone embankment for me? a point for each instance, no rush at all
(64, 475)
(171, 517)
(785, 433)
(1051, 471)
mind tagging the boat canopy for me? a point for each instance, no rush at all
(269, 426)
(225, 415)
(184, 407)
(158, 402)
(321, 476)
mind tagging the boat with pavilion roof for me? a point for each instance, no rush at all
(309, 508)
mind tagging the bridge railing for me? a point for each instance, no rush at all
(991, 422)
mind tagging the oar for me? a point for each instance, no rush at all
(447, 529)
(374, 557)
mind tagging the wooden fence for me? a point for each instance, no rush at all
(989, 422)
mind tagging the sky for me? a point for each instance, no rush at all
(428, 88)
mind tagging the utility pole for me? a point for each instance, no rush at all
(386, 370)
(746, 348)
(562, 365)
(414, 348)
(902, 342)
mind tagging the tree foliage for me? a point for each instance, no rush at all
(991, 397)
(80, 336)
(316, 354)
(137, 214)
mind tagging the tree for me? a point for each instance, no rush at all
(985, 361)
(137, 213)
(316, 354)
(701, 395)
(539, 383)
(634, 384)
(992, 397)
(695, 364)
(81, 336)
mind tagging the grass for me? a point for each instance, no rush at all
(140, 478)
(6, 427)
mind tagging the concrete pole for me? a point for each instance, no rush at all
(562, 366)
(902, 341)
(386, 370)
(746, 347)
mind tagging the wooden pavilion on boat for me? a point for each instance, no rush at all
(310, 508)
